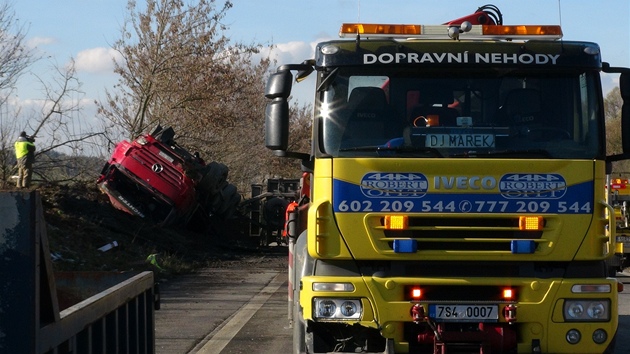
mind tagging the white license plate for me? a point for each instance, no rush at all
(464, 313)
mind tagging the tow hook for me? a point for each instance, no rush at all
(509, 313)
(418, 315)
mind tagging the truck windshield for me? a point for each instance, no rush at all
(493, 114)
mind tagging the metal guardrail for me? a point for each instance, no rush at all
(76, 312)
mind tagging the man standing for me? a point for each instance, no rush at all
(25, 154)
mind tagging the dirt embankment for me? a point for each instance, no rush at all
(80, 220)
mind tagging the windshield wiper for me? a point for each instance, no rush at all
(361, 148)
(505, 153)
(394, 150)
(412, 150)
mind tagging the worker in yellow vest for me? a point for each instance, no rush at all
(25, 154)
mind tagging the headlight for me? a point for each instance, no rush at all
(337, 309)
(586, 310)
(326, 308)
(575, 310)
(348, 309)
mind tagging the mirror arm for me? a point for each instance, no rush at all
(290, 67)
(614, 69)
(617, 157)
(307, 162)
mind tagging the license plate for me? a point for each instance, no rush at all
(623, 238)
(464, 313)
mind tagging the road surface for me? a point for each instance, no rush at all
(220, 310)
(241, 307)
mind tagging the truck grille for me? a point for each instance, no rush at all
(453, 233)
(150, 158)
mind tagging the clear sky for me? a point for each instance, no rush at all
(85, 29)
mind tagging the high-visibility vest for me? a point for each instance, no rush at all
(22, 147)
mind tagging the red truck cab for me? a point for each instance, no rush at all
(150, 177)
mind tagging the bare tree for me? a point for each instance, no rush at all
(180, 69)
(61, 136)
(65, 136)
(8, 128)
(175, 59)
(612, 111)
(15, 58)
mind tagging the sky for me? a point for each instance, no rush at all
(86, 29)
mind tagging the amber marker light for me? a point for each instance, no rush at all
(396, 222)
(416, 293)
(508, 294)
(530, 223)
(379, 29)
(521, 30)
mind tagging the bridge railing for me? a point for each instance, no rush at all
(71, 312)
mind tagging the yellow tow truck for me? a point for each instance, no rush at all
(457, 198)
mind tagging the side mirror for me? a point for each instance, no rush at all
(279, 85)
(277, 124)
(277, 112)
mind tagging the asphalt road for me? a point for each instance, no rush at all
(220, 310)
(242, 309)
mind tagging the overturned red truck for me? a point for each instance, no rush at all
(153, 177)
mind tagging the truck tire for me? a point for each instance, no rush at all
(213, 179)
(209, 198)
(232, 206)
(224, 202)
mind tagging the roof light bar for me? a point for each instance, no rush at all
(488, 32)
